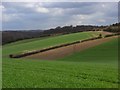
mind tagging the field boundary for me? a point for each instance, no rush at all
(58, 46)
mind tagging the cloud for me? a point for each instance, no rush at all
(101, 20)
(10, 17)
(42, 10)
(2, 7)
(37, 7)
(44, 15)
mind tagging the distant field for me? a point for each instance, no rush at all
(95, 67)
(42, 43)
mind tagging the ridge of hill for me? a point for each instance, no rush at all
(12, 36)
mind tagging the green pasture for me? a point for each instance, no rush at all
(34, 44)
(95, 67)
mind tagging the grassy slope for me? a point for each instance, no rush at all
(82, 70)
(34, 73)
(38, 44)
(106, 52)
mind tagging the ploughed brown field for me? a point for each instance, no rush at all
(68, 50)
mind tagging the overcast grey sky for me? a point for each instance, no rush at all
(45, 15)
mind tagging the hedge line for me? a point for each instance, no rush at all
(58, 46)
(109, 35)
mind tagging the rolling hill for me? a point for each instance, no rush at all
(96, 67)
(43, 43)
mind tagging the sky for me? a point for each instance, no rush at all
(46, 15)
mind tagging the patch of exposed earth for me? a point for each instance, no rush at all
(68, 50)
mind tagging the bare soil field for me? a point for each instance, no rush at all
(68, 50)
(105, 33)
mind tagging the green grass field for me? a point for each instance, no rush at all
(95, 67)
(106, 52)
(18, 47)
